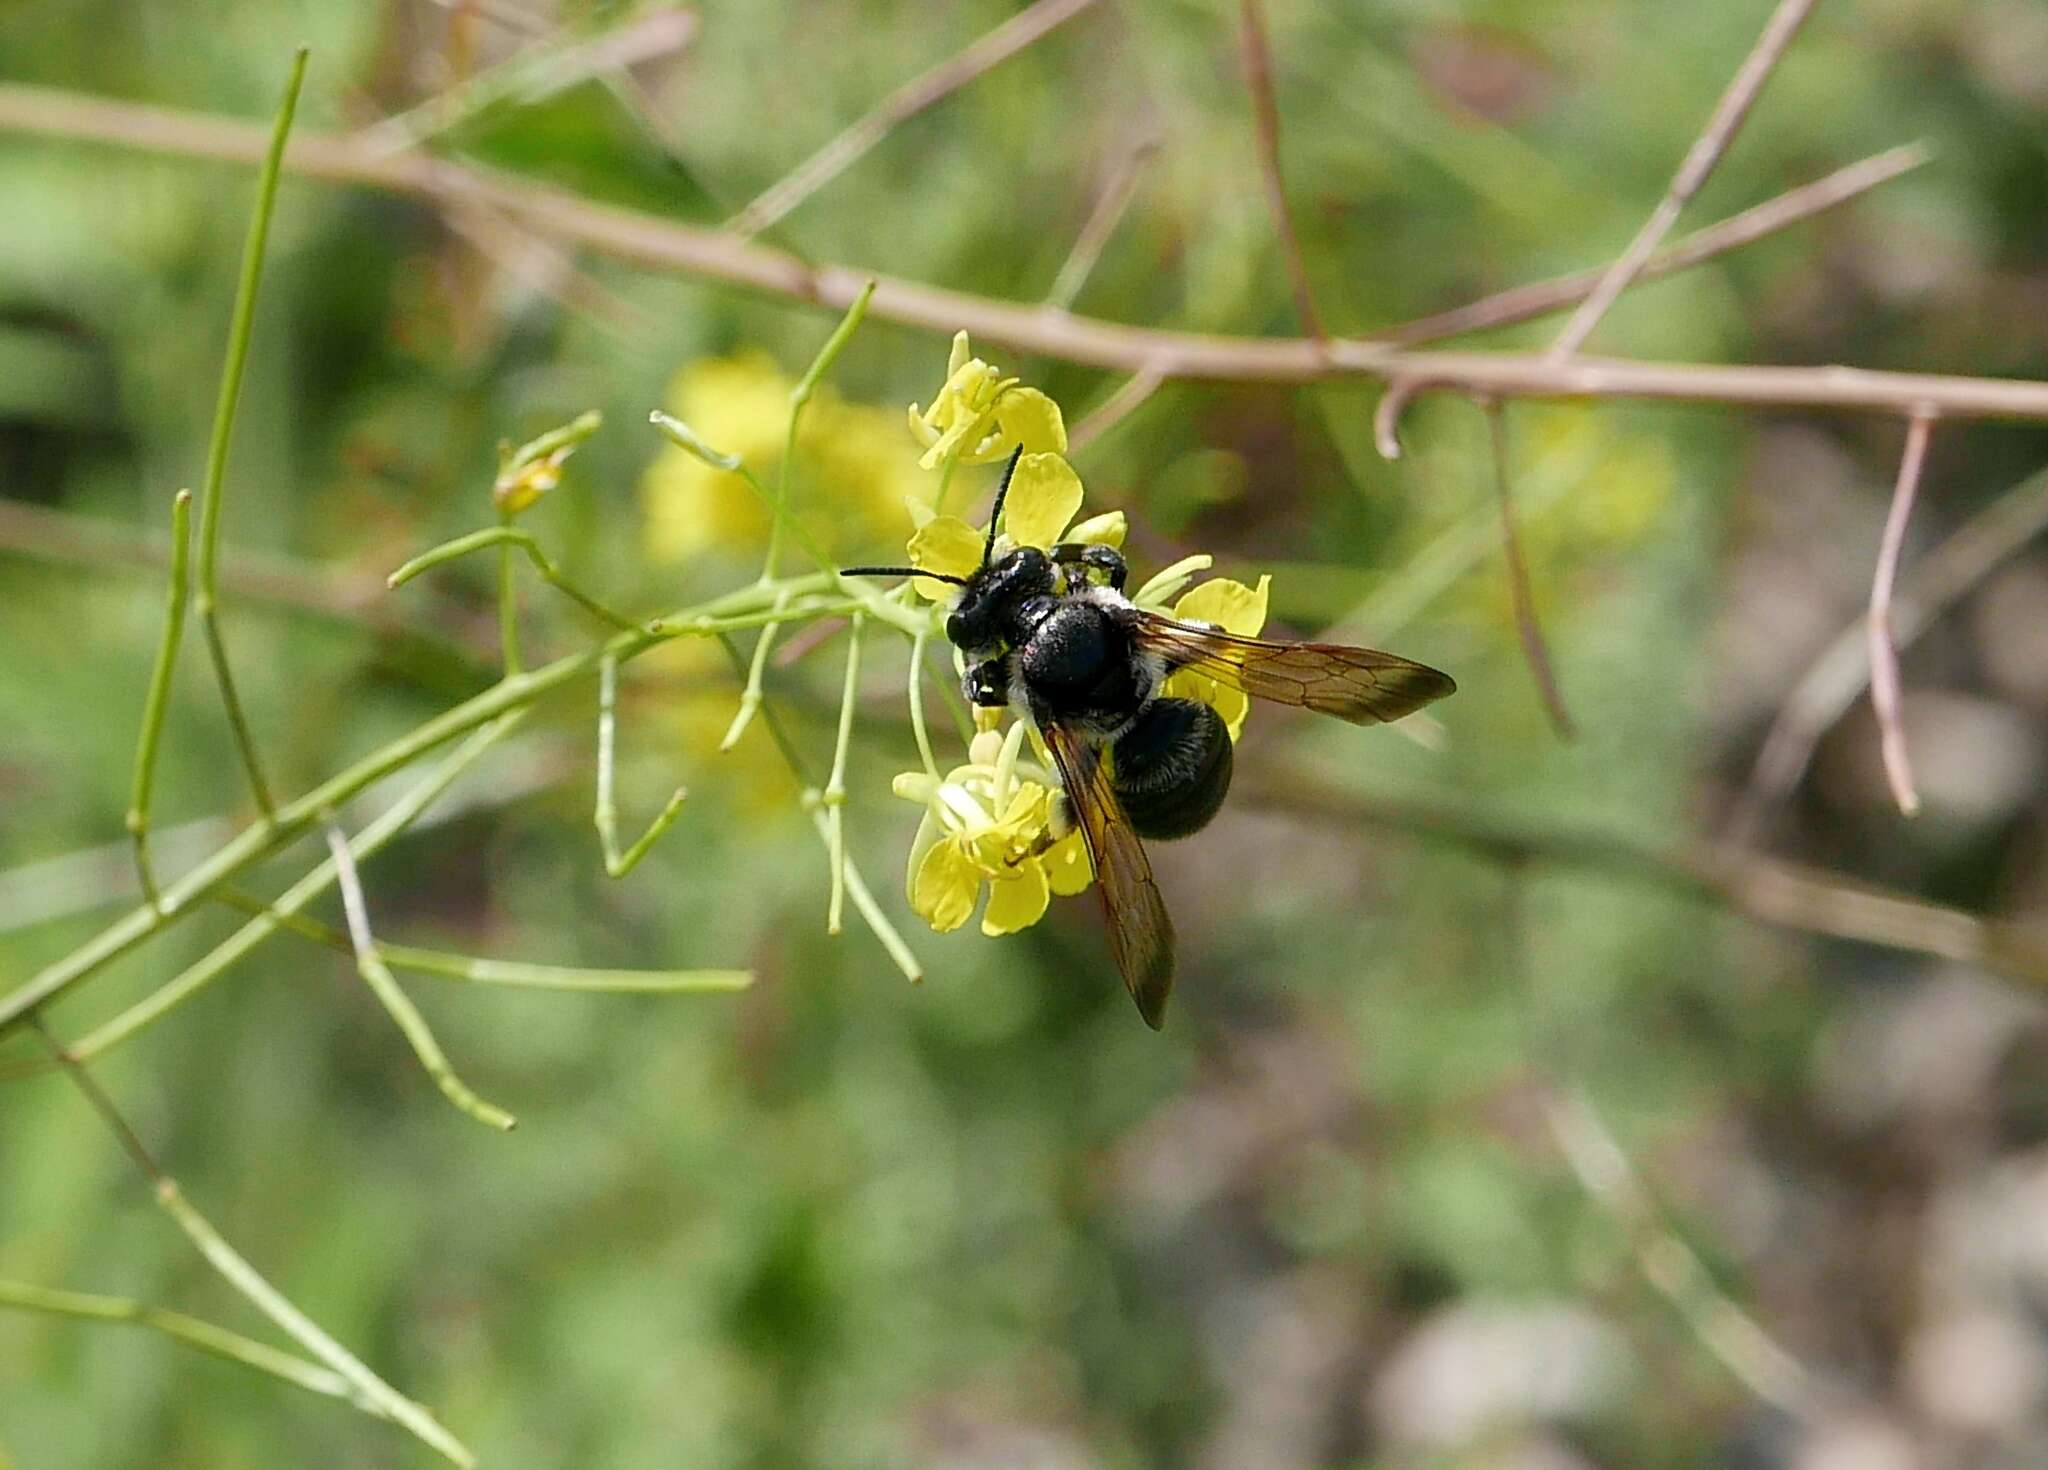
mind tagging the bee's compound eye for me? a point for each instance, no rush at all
(958, 631)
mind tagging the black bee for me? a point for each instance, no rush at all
(1051, 635)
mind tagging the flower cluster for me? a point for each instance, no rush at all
(997, 820)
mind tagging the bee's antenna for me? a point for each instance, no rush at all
(902, 572)
(995, 516)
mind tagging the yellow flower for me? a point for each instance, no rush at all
(1235, 608)
(979, 415)
(1044, 495)
(851, 472)
(987, 823)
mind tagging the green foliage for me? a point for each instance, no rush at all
(838, 1219)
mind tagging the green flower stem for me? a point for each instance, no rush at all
(510, 537)
(518, 974)
(917, 726)
(949, 691)
(863, 900)
(384, 985)
(871, 912)
(378, 1396)
(276, 915)
(191, 1331)
(508, 601)
(799, 400)
(268, 1300)
(159, 697)
(619, 864)
(750, 696)
(240, 327)
(512, 974)
(294, 819)
(834, 797)
(946, 468)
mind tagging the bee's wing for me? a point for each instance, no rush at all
(1140, 933)
(1361, 685)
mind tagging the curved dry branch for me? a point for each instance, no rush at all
(668, 245)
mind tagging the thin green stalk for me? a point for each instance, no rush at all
(520, 975)
(950, 464)
(240, 327)
(245, 1278)
(834, 797)
(871, 912)
(192, 1331)
(799, 399)
(510, 537)
(508, 604)
(280, 912)
(949, 691)
(159, 697)
(863, 901)
(273, 1304)
(258, 842)
(619, 864)
(750, 696)
(872, 602)
(917, 727)
(384, 985)
(513, 974)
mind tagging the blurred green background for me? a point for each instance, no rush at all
(993, 1221)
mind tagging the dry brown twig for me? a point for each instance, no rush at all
(1257, 60)
(1842, 671)
(908, 100)
(1540, 298)
(1884, 652)
(1706, 151)
(668, 245)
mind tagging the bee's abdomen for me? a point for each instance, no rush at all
(1172, 767)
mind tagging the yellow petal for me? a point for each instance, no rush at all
(1066, 866)
(957, 359)
(1231, 606)
(1233, 705)
(1107, 529)
(1033, 420)
(945, 887)
(962, 433)
(1044, 494)
(1168, 581)
(1017, 901)
(944, 544)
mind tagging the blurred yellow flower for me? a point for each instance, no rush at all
(852, 473)
(979, 415)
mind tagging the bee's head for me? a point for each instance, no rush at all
(984, 616)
